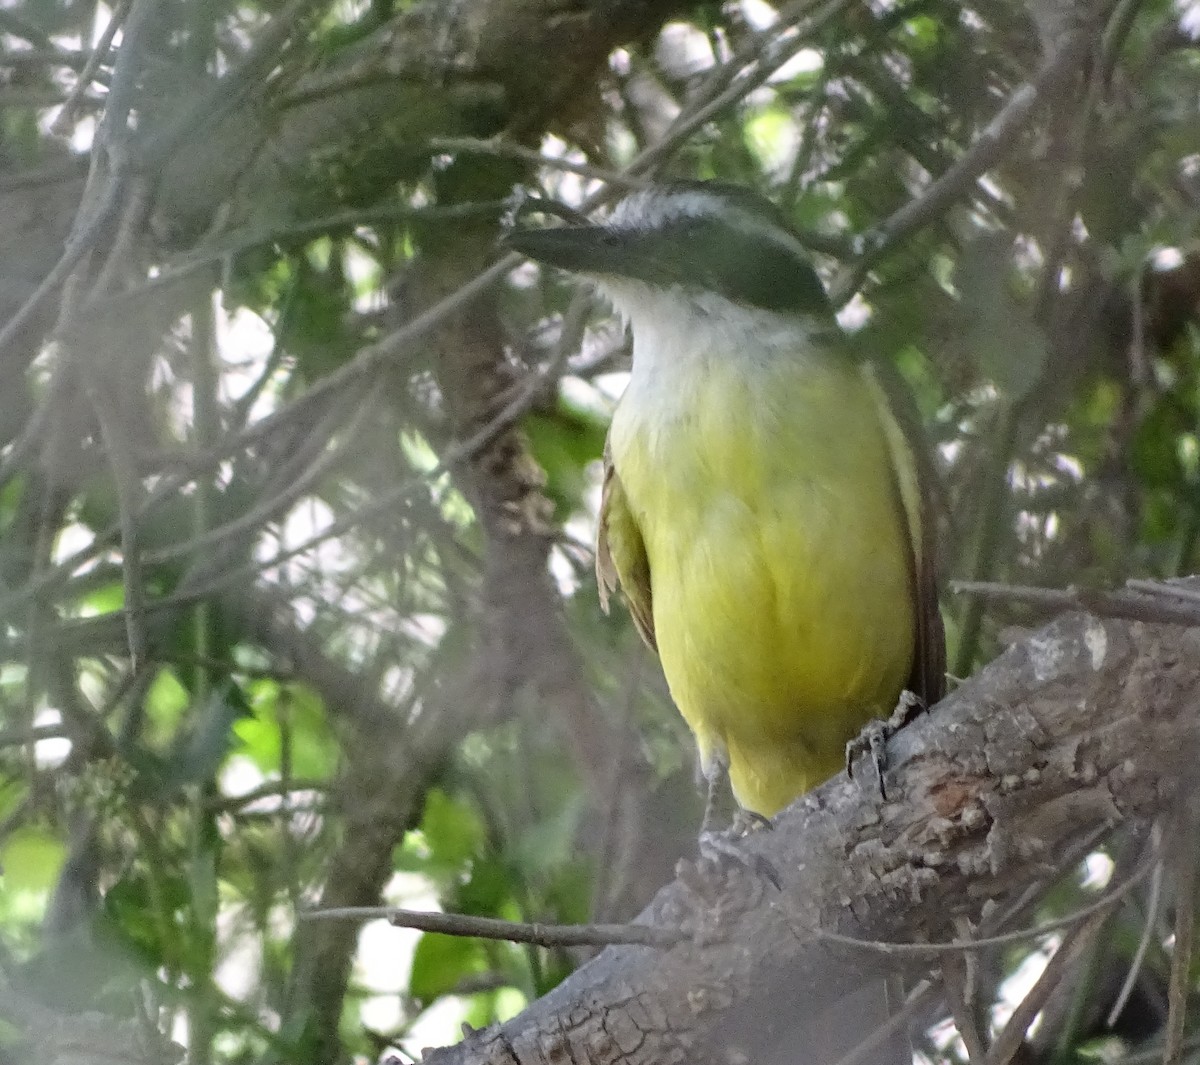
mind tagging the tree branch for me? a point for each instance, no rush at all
(1085, 725)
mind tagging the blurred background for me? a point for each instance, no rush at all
(297, 488)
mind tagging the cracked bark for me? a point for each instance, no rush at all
(1087, 724)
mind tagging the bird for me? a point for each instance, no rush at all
(765, 508)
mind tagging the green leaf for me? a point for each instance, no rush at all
(1156, 456)
(166, 702)
(31, 859)
(772, 136)
(297, 707)
(440, 963)
(453, 830)
(564, 443)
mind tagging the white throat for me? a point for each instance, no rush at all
(675, 332)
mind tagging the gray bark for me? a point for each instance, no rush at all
(1085, 725)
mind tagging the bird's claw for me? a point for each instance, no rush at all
(874, 738)
(722, 848)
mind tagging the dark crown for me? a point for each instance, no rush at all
(696, 236)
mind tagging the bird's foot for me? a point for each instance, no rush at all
(721, 848)
(874, 738)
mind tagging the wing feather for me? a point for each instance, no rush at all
(913, 470)
(621, 560)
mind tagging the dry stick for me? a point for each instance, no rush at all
(1165, 589)
(82, 241)
(925, 994)
(1107, 604)
(93, 216)
(67, 115)
(204, 254)
(263, 511)
(651, 935)
(1059, 239)
(689, 121)
(19, 737)
(77, 247)
(118, 447)
(954, 984)
(1009, 1041)
(1139, 955)
(1185, 860)
(359, 367)
(506, 149)
(456, 924)
(123, 465)
(225, 94)
(1098, 908)
(308, 472)
(109, 153)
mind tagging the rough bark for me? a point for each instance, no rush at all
(1085, 725)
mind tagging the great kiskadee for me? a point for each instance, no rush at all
(762, 508)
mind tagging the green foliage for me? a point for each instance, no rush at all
(31, 859)
(291, 717)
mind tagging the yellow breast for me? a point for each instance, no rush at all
(779, 559)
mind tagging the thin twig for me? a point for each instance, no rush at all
(956, 984)
(1184, 861)
(297, 486)
(123, 465)
(1165, 589)
(989, 148)
(66, 116)
(931, 950)
(1009, 1041)
(1139, 956)
(212, 106)
(924, 995)
(107, 170)
(457, 924)
(274, 789)
(506, 149)
(773, 53)
(113, 131)
(20, 737)
(77, 247)
(195, 259)
(455, 454)
(1136, 607)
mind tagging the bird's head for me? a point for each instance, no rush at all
(690, 238)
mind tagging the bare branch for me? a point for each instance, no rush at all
(98, 54)
(1009, 1041)
(1087, 724)
(543, 935)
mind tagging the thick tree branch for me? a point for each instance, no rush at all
(1085, 725)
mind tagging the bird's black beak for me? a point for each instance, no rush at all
(579, 249)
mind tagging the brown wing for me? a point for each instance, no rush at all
(621, 560)
(913, 470)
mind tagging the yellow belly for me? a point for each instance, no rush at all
(779, 562)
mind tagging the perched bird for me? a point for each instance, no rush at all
(762, 508)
